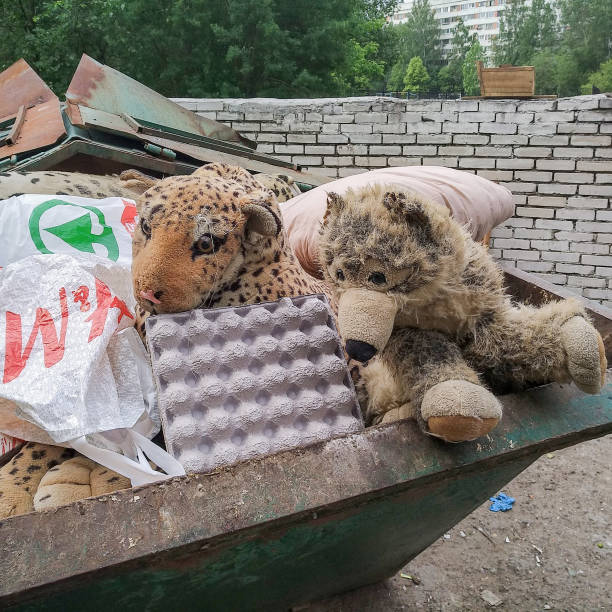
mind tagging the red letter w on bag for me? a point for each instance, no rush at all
(15, 360)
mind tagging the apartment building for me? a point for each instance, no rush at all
(481, 16)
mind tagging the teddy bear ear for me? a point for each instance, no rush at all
(335, 204)
(261, 216)
(412, 212)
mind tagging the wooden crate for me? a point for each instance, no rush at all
(284, 530)
(506, 81)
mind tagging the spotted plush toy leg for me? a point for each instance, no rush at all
(76, 479)
(20, 477)
(433, 375)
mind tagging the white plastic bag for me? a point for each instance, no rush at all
(73, 370)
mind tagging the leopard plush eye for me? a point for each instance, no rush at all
(145, 226)
(205, 244)
(378, 278)
(339, 274)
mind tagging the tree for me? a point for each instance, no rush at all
(525, 29)
(451, 79)
(416, 79)
(471, 85)
(419, 36)
(602, 79)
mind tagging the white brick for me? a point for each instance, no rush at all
(549, 245)
(502, 232)
(288, 148)
(534, 234)
(477, 116)
(313, 117)
(411, 117)
(356, 128)
(426, 127)
(555, 164)
(493, 151)
(552, 117)
(229, 116)
(604, 215)
(448, 162)
(572, 152)
(265, 148)
(607, 152)
(536, 105)
(553, 224)
(532, 151)
(556, 188)
(518, 222)
(511, 243)
(304, 138)
(352, 149)
(574, 269)
(496, 175)
(535, 266)
(514, 117)
(578, 202)
(537, 128)
(578, 103)
(423, 105)
(404, 138)
(596, 190)
(461, 106)
(601, 115)
(527, 211)
(365, 138)
(385, 149)
(513, 254)
(332, 138)
(591, 141)
(573, 177)
(577, 128)
(456, 150)
(598, 294)
(574, 213)
(519, 199)
(575, 236)
(404, 161)
(597, 260)
(209, 105)
(520, 187)
(346, 118)
(338, 161)
(595, 166)
(603, 178)
(476, 162)
(319, 150)
(367, 118)
(548, 140)
(460, 128)
(498, 128)
(419, 150)
(497, 106)
(307, 160)
(350, 171)
(590, 248)
(594, 227)
(560, 257)
(607, 272)
(580, 281)
(444, 116)
(470, 139)
(377, 162)
(258, 116)
(508, 139)
(556, 279)
(530, 175)
(546, 201)
(515, 164)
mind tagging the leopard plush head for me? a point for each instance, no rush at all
(195, 233)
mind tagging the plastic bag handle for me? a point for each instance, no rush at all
(139, 472)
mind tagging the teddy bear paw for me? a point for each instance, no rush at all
(458, 411)
(586, 355)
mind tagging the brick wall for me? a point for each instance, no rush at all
(555, 156)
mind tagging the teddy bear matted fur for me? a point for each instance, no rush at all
(418, 292)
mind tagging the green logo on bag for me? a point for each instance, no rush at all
(77, 232)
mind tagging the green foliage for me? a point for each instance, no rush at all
(417, 78)
(206, 47)
(451, 80)
(471, 86)
(602, 79)
(420, 37)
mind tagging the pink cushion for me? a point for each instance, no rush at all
(473, 201)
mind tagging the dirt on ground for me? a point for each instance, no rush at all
(552, 551)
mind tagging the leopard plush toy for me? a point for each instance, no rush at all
(418, 293)
(210, 239)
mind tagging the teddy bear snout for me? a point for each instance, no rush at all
(360, 351)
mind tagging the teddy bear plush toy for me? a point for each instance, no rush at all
(425, 307)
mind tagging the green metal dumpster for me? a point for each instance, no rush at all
(283, 530)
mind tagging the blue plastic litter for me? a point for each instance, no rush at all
(501, 503)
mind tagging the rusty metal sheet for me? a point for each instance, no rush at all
(98, 86)
(20, 85)
(42, 127)
(254, 165)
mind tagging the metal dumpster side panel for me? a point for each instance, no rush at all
(206, 536)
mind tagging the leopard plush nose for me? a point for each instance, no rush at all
(152, 297)
(361, 351)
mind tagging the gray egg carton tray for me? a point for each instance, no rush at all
(239, 383)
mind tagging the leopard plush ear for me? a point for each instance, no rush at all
(137, 181)
(335, 204)
(410, 210)
(260, 213)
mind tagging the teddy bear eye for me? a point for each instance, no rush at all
(340, 275)
(145, 226)
(378, 278)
